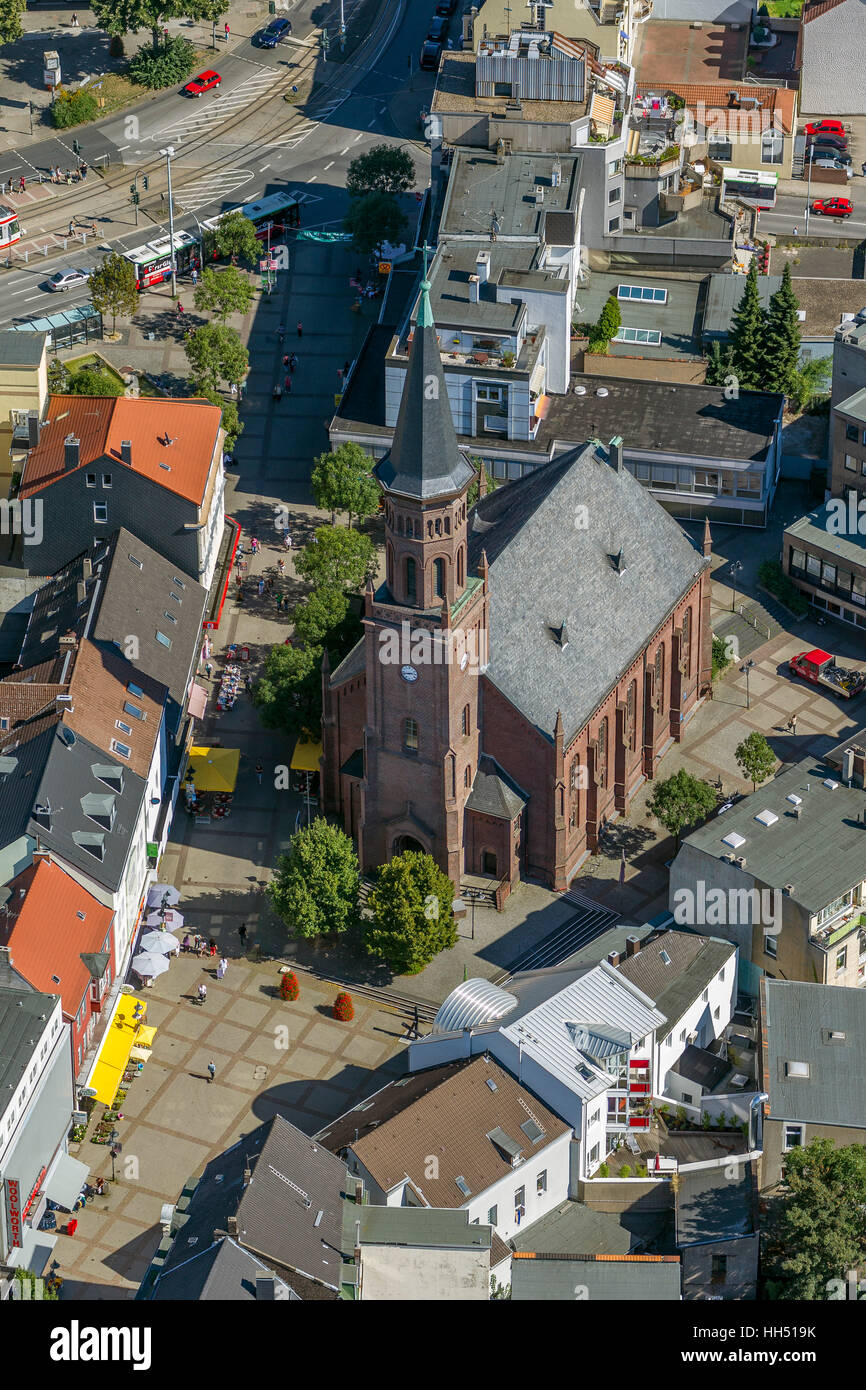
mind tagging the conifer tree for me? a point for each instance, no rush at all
(748, 334)
(782, 341)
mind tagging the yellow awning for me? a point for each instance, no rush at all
(214, 769)
(123, 1032)
(145, 1037)
(306, 756)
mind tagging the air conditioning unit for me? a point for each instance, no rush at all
(741, 861)
(166, 1216)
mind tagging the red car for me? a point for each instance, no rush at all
(834, 207)
(826, 128)
(205, 82)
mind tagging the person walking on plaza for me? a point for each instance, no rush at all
(222, 968)
(259, 771)
(285, 359)
(202, 994)
(287, 540)
(792, 724)
(300, 329)
(293, 362)
(242, 933)
(211, 1070)
(194, 274)
(75, 24)
(261, 587)
(288, 385)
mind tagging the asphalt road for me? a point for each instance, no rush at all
(380, 101)
(790, 212)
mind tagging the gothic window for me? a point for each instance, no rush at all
(659, 681)
(448, 526)
(410, 734)
(464, 721)
(602, 753)
(460, 567)
(430, 528)
(411, 581)
(467, 776)
(438, 526)
(687, 642)
(439, 578)
(630, 712)
(400, 525)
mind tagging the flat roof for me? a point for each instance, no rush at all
(455, 93)
(623, 1278)
(677, 318)
(488, 193)
(813, 531)
(574, 22)
(715, 1204)
(575, 1229)
(674, 51)
(822, 301)
(799, 1020)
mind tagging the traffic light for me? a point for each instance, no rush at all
(132, 188)
(135, 198)
(146, 181)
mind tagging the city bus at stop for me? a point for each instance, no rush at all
(152, 261)
(271, 216)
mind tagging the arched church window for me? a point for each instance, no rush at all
(411, 581)
(410, 734)
(439, 578)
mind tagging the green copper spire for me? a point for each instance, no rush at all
(425, 312)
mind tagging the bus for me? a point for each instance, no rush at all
(153, 260)
(273, 214)
(755, 189)
(10, 231)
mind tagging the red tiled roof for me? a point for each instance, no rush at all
(98, 687)
(820, 7)
(46, 935)
(102, 423)
(777, 104)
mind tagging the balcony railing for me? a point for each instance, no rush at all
(827, 935)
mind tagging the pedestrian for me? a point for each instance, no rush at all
(346, 368)
(261, 587)
(194, 274)
(793, 724)
(186, 943)
(211, 1068)
(242, 933)
(285, 359)
(234, 390)
(288, 384)
(75, 21)
(202, 994)
(227, 32)
(281, 332)
(796, 230)
(279, 603)
(287, 540)
(300, 329)
(281, 565)
(222, 968)
(22, 184)
(69, 178)
(208, 668)
(255, 545)
(259, 771)
(269, 583)
(71, 231)
(212, 947)
(293, 362)
(82, 170)
(180, 310)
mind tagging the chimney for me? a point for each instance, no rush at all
(615, 453)
(359, 1192)
(733, 101)
(847, 766)
(474, 289)
(81, 590)
(247, 1177)
(632, 946)
(556, 174)
(265, 1288)
(482, 266)
(34, 429)
(232, 1225)
(482, 482)
(126, 452)
(859, 765)
(708, 539)
(86, 569)
(614, 958)
(71, 453)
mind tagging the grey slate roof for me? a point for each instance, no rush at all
(819, 854)
(23, 1012)
(694, 962)
(714, 1204)
(631, 1279)
(724, 293)
(575, 1229)
(703, 1067)
(493, 792)
(798, 1019)
(855, 406)
(354, 663)
(300, 1230)
(424, 461)
(813, 532)
(21, 349)
(545, 571)
(221, 1272)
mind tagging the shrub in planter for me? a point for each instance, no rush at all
(625, 1170)
(640, 1170)
(289, 986)
(72, 108)
(343, 1008)
(172, 62)
(603, 1170)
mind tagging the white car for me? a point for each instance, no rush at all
(68, 279)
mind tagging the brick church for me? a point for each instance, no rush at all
(527, 661)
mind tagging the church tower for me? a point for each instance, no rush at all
(425, 630)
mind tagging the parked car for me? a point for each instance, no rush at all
(276, 31)
(825, 128)
(438, 29)
(205, 82)
(68, 279)
(833, 207)
(819, 668)
(446, 7)
(838, 142)
(816, 152)
(430, 55)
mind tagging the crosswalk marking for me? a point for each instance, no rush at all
(219, 107)
(206, 190)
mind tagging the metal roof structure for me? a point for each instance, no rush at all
(471, 1003)
(823, 1026)
(623, 1278)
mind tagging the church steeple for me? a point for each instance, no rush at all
(424, 461)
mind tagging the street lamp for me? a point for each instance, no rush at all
(744, 671)
(114, 1150)
(735, 570)
(169, 156)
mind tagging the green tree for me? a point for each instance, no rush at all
(223, 292)
(721, 658)
(373, 219)
(755, 758)
(681, 801)
(321, 612)
(782, 340)
(718, 364)
(314, 890)
(336, 559)
(817, 1230)
(382, 169)
(73, 108)
(492, 484)
(10, 19)
(609, 321)
(412, 917)
(127, 16)
(747, 337)
(341, 482)
(113, 289)
(162, 67)
(215, 353)
(288, 695)
(810, 383)
(235, 235)
(94, 383)
(232, 423)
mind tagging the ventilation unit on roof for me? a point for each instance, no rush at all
(830, 784)
(794, 799)
(602, 391)
(580, 390)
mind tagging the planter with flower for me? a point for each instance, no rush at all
(289, 986)
(343, 1008)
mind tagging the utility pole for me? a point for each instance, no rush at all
(133, 188)
(169, 156)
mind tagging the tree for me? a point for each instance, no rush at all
(782, 340)
(748, 334)
(718, 364)
(341, 482)
(10, 19)
(216, 354)
(755, 758)
(314, 890)
(321, 611)
(382, 169)
(128, 16)
(113, 289)
(235, 235)
(288, 695)
(680, 801)
(157, 68)
(94, 383)
(810, 383)
(412, 913)
(818, 1228)
(336, 559)
(223, 292)
(373, 219)
(231, 420)
(474, 488)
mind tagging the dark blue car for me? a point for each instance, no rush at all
(277, 30)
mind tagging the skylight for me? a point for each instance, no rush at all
(766, 817)
(797, 1069)
(132, 709)
(733, 839)
(664, 958)
(161, 637)
(463, 1185)
(135, 690)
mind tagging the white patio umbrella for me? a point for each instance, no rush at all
(170, 919)
(161, 943)
(163, 894)
(148, 965)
